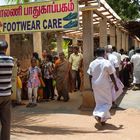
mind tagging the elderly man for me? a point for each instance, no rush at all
(113, 59)
(115, 63)
(135, 60)
(6, 64)
(101, 70)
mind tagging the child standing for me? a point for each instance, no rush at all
(20, 74)
(33, 83)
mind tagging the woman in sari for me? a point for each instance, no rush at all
(62, 74)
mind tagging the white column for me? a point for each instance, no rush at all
(123, 41)
(59, 42)
(127, 39)
(88, 45)
(112, 35)
(135, 43)
(119, 40)
(37, 42)
(103, 32)
(7, 38)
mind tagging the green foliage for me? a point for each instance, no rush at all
(126, 9)
(65, 44)
(16, 1)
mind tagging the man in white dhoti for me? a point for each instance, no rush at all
(113, 59)
(101, 71)
(115, 63)
(135, 60)
(118, 55)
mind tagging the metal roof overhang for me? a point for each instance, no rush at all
(100, 10)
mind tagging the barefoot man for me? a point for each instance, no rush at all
(101, 71)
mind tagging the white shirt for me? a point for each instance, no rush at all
(113, 60)
(135, 59)
(118, 55)
(75, 60)
(100, 69)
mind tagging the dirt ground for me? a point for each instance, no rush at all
(60, 121)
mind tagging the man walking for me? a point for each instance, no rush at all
(135, 60)
(6, 64)
(100, 71)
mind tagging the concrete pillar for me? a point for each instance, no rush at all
(136, 43)
(59, 42)
(2, 37)
(127, 45)
(88, 100)
(103, 32)
(37, 42)
(7, 38)
(112, 35)
(119, 39)
(123, 41)
(14, 78)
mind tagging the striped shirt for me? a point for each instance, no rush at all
(6, 65)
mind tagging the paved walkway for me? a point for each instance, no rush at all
(130, 100)
(62, 120)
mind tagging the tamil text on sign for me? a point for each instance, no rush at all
(39, 16)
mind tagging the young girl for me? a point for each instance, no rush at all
(48, 78)
(33, 83)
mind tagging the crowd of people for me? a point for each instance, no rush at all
(53, 76)
(110, 73)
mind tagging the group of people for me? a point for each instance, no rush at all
(52, 74)
(110, 73)
(106, 73)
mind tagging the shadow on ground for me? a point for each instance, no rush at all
(30, 121)
(44, 130)
(108, 126)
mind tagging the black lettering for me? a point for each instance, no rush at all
(59, 23)
(49, 24)
(13, 26)
(45, 24)
(8, 26)
(38, 25)
(54, 23)
(4, 26)
(23, 25)
(18, 23)
(33, 25)
(28, 25)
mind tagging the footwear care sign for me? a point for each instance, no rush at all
(39, 16)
